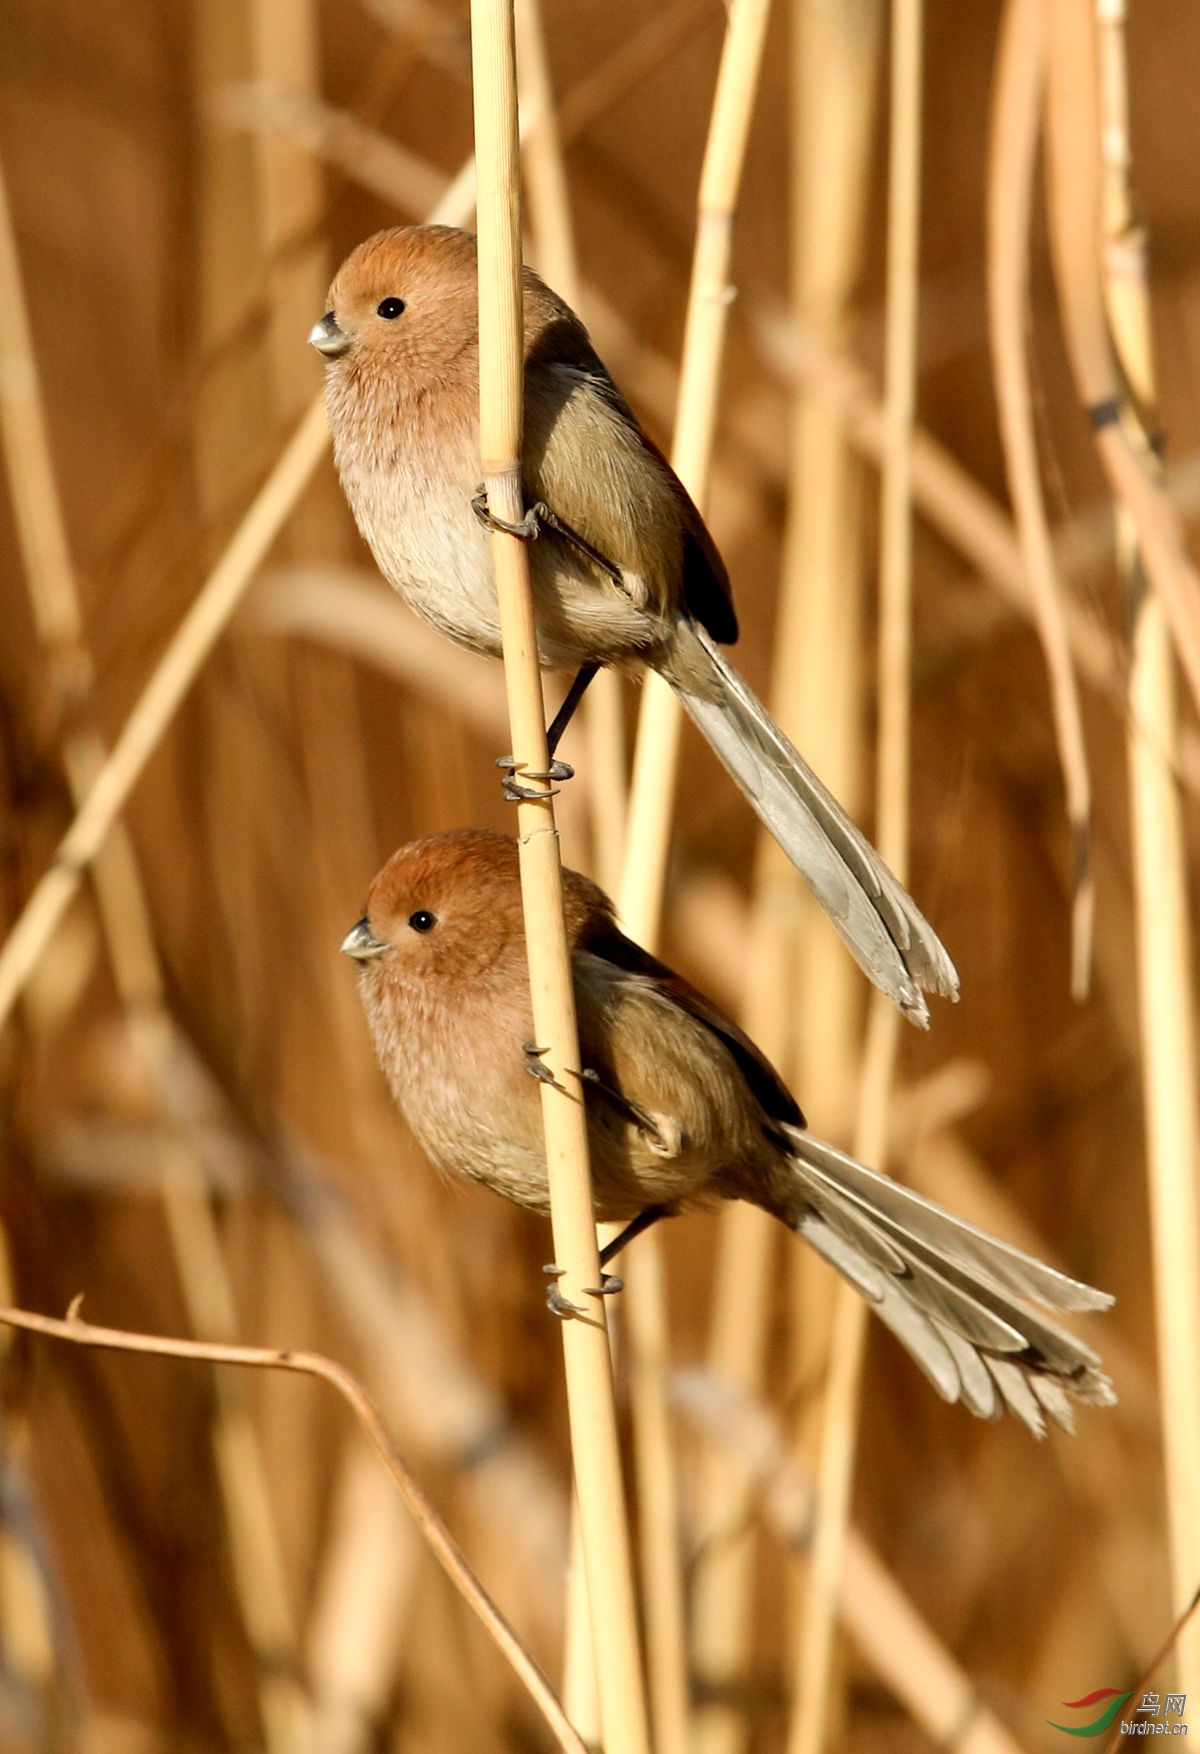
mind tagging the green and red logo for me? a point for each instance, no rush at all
(1098, 1725)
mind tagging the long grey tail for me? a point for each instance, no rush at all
(953, 1295)
(886, 932)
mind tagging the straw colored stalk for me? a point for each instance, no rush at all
(656, 754)
(1016, 116)
(177, 669)
(603, 722)
(441, 1542)
(839, 1429)
(125, 917)
(554, 253)
(590, 1398)
(814, 697)
(643, 873)
(874, 1610)
(1072, 132)
(1164, 932)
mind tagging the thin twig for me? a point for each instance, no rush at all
(445, 1548)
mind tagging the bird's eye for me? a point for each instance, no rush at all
(391, 307)
(422, 920)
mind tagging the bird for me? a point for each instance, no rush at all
(624, 570)
(683, 1112)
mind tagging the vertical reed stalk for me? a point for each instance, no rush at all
(1164, 929)
(590, 1399)
(656, 754)
(602, 713)
(603, 709)
(199, 1260)
(1012, 158)
(835, 1470)
(813, 693)
(650, 813)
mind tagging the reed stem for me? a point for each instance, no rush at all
(591, 1405)
(839, 1433)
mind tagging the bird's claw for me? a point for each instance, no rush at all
(556, 1303)
(538, 517)
(535, 1068)
(610, 1284)
(515, 793)
(562, 1306)
(529, 528)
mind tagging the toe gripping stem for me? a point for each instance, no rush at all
(538, 517)
(516, 793)
(562, 1306)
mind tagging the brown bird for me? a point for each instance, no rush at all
(683, 1111)
(624, 570)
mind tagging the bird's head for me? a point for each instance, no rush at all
(404, 302)
(442, 910)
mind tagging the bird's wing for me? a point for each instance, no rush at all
(626, 500)
(606, 940)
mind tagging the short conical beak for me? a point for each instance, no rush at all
(361, 943)
(327, 338)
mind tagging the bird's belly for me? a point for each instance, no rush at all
(436, 559)
(436, 554)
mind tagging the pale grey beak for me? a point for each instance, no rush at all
(361, 943)
(327, 338)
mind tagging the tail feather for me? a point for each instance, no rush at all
(884, 929)
(948, 1291)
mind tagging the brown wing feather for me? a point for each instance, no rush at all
(604, 938)
(558, 338)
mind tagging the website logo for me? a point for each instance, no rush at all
(1150, 1717)
(1098, 1725)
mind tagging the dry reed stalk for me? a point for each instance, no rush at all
(581, 1697)
(812, 694)
(874, 1610)
(607, 786)
(257, 1563)
(840, 1402)
(1016, 116)
(657, 749)
(1164, 929)
(177, 669)
(554, 254)
(590, 1397)
(1073, 177)
(643, 874)
(441, 1542)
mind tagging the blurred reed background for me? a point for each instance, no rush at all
(195, 1133)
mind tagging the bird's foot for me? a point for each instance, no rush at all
(535, 1068)
(562, 1306)
(538, 517)
(529, 528)
(552, 778)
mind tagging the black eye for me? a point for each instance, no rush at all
(422, 920)
(391, 307)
